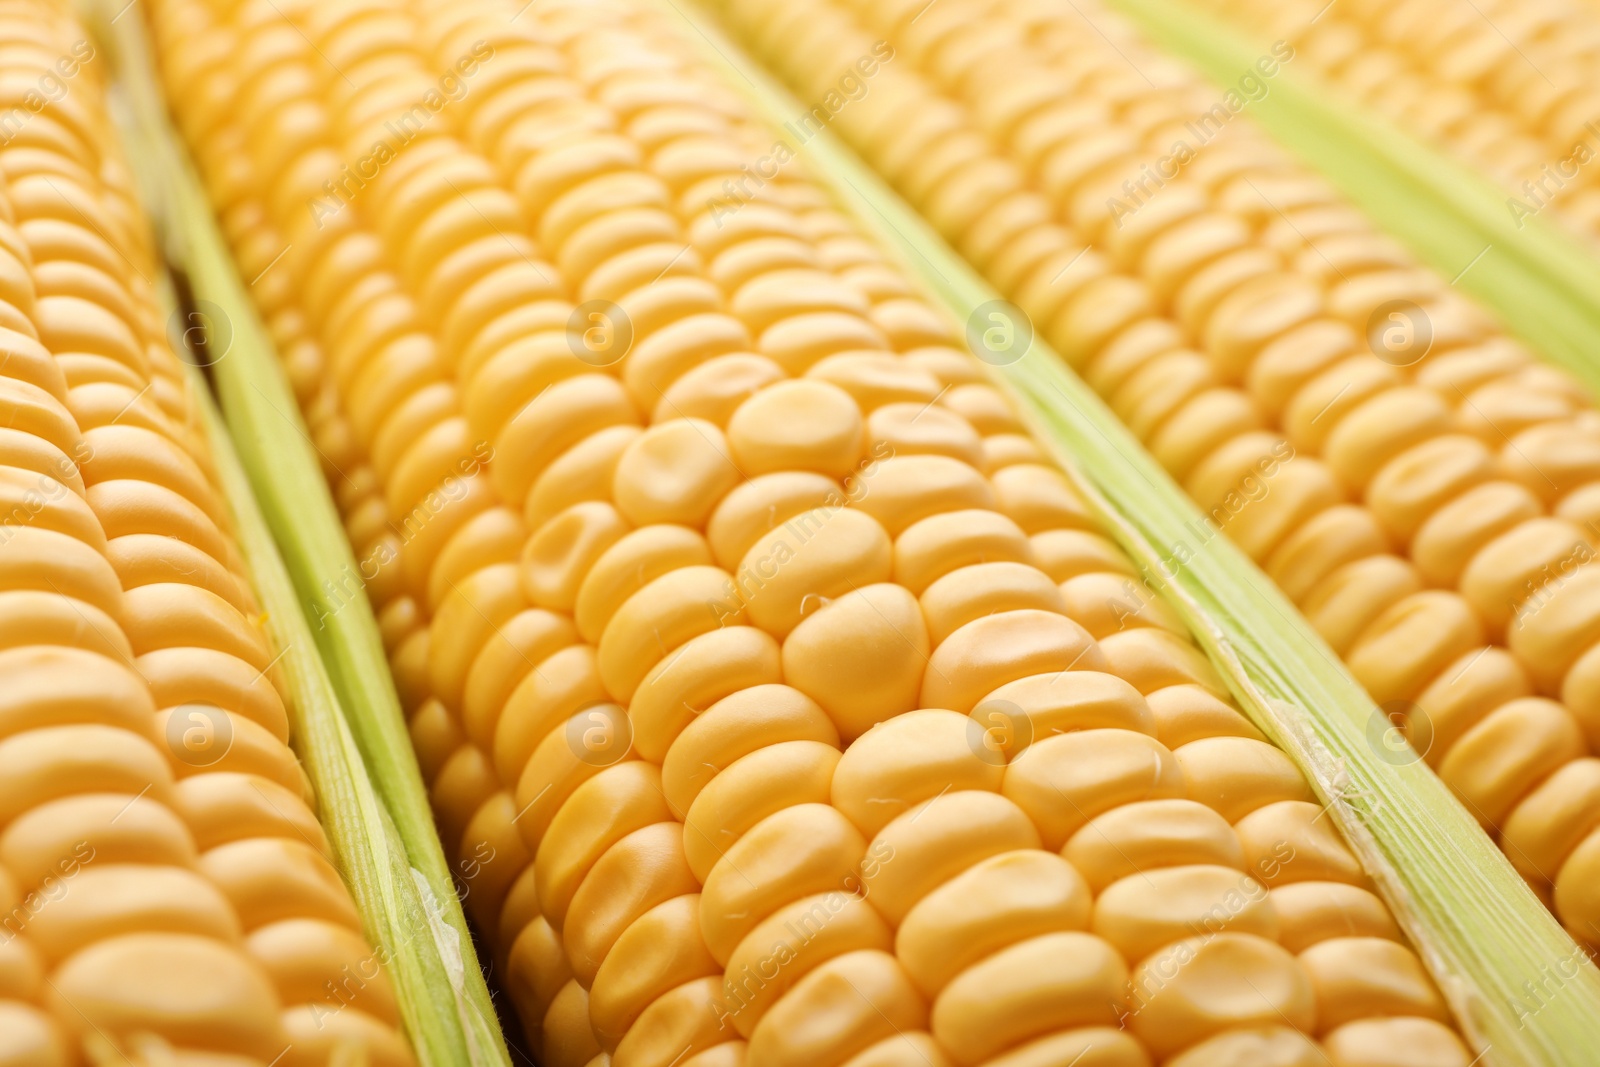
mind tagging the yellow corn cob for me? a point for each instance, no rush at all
(1432, 516)
(167, 891)
(779, 701)
(1507, 87)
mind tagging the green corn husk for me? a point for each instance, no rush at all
(1543, 282)
(401, 915)
(349, 731)
(1497, 954)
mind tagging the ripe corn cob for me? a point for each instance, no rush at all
(703, 655)
(1506, 87)
(167, 890)
(1433, 519)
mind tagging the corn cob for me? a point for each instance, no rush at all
(1431, 516)
(1507, 88)
(708, 657)
(168, 891)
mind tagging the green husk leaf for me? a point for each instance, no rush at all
(365, 840)
(1497, 954)
(1543, 282)
(350, 733)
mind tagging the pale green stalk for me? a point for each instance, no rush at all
(1542, 282)
(350, 733)
(1479, 929)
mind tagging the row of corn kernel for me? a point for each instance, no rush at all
(560, 564)
(1504, 86)
(1278, 419)
(261, 250)
(200, 895)
(276, 52)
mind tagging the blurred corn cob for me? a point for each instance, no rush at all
(1435, 521)
(168, 893)
(1507, 87)
(660, 525)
